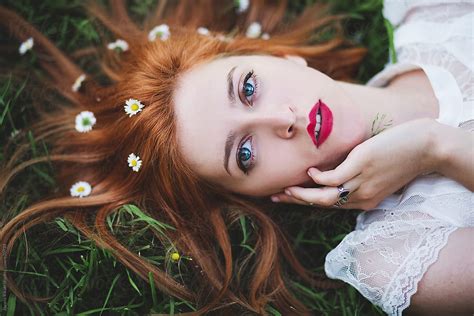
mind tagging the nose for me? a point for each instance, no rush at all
(280, 121)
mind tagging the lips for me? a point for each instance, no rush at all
(326, 123)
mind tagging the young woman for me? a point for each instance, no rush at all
(199, 128)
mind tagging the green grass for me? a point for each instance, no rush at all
(54, 259)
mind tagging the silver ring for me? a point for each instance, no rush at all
(343, 192)
(343, 196)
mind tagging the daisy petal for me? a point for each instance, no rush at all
(203, 31)
(254, 30)
(77, 84)
(118, 44)
(162, 31)
(242, 5)
(26, 46)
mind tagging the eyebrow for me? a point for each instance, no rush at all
(229, 143)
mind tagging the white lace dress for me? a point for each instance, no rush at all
(393, 245)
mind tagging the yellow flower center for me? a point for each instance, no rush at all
(81, 189)
(134, 107)
(134, 163)
(175, 256)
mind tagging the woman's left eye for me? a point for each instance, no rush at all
(246, 156)
(249, 87)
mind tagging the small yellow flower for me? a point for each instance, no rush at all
(132, 107)
(80, 189)
(134, 162)
(175, 256)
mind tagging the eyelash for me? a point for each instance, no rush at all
(253, 76)
(250, 75)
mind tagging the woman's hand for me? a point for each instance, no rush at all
(374, 169)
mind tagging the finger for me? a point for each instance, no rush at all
(347, 170)
(284, 198)
(325, 196)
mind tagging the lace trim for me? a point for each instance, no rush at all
(405, 284)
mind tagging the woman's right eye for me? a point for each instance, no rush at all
(249, 88)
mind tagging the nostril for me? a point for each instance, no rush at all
(290, 129)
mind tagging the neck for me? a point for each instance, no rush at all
(397, 103)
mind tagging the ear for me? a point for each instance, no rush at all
(297, 59)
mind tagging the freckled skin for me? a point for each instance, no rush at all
(286, 91)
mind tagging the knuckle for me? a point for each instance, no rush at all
(365, 193)
(334, 182)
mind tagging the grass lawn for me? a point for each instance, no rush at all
(55, 260)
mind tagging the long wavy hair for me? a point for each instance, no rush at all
(166, 188)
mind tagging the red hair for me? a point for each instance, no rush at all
(166, 188)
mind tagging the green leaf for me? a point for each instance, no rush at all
(133, 283)
(110, 292)
(391, 45)
(153, 291)
(11, 305)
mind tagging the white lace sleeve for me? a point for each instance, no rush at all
(387, 257)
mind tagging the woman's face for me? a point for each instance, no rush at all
(256, 109)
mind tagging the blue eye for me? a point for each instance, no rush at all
(245, 155)
(249, 87)
(245, 152)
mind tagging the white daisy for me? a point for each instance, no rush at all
(254, 30)
(119, 43)
(132, 107)
(80, 189)
(162, 31)
(77, 84)
(134, 162)
(84, 121)
(242, 5)
(26, 46)
(265, 36)
(203, 31)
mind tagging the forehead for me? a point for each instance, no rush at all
(201, 108)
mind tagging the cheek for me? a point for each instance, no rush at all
(281, 169)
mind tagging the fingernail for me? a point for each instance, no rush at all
(288, 192)
(275, 199)
(309, 173)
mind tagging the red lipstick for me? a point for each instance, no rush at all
(326, 123)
